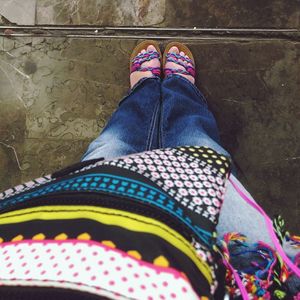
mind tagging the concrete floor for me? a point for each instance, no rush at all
(57, 89)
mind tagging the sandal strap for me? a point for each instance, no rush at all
(176, 62)
(178, 56)
(147, 56)
(169, 71)
(174, 57)
(154, 71)
(137, 61)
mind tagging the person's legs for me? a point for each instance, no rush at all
(133, 126)
(185, 117)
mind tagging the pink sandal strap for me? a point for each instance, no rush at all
(136, 63)
(174, 57)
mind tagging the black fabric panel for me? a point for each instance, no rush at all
(109, 201)
(44, 293)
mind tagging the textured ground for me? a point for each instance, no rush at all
(58, 89)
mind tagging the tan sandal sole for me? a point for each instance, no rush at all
(143, 45)
(181, 47)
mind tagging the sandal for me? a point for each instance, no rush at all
(174, 57)
(136, 60)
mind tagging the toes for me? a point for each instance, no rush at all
(174, 50)
(182, 53)
(143, 51)
(151, 48)
(184, 63)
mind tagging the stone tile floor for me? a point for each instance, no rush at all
(57, 91)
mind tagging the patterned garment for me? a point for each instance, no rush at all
(136, 227)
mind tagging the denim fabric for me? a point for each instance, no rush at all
(185, 117)
(170, 113)
(156, 115)
(133, 126)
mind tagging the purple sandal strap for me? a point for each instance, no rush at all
(137, 61)
(154, 71)
(174, 57)
(178, 56)
(169, 71)
(147, 56)
(176, 62)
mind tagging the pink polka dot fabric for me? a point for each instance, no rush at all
(89, 266)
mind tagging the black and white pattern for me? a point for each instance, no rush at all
(194, 177)
(25, 187)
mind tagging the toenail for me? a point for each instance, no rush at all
(151, 48)
(174, 49)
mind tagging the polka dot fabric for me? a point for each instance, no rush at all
(91, 266)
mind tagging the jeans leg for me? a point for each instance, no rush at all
(185, 117)
(133, 126)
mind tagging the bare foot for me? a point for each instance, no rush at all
(153, 63)
(172, 65)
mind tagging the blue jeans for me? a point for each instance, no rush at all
(157, 114)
